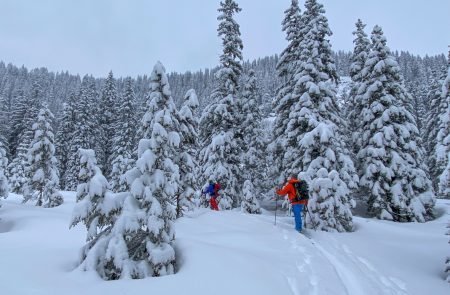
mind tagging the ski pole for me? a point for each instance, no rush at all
(304, 216)
(310, 217)
(276, 207)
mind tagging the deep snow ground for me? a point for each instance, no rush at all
(232, 253)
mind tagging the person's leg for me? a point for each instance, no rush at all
(213, 203)
(300, 218)
(297, 208)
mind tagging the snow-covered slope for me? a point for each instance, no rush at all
(231, 253)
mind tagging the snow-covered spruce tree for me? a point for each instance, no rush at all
(417, 99)
(64, 138)
(188, 157)
(18, 110)
(220, 133)
(24, 113)
(88, 108)
(249, 202)
(359, 57)
(393, 172)
(124, 140)
(254, 145)
(292, 25)
(5, 122)
(84, 135)
(16, 170)
(443, 142)
(286, 69)
(314, 133)
(108, 101)
(43, 179)
(437, 106)
(28, 112)
(4, 189)
(97, 208)
(154, 183)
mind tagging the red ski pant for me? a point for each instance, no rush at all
(213, 204)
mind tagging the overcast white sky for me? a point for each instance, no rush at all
(129, 36)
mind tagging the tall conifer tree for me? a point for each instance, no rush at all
(314, 138)
(64, 137)
(108, 114)
(188, 157)
(154, 183)
(437, 106)
(443, 141)
(85, 130)
(254, 145)
(5, 122)
(43, 173)
(286, 69)
(221, 132)
(392, 170)
(18, 168)
(359, 57)
(124, 140)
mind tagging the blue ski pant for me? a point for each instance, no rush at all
(298, 208)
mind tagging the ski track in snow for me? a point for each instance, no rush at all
(345, 265)
(352, 280)
(303, 265)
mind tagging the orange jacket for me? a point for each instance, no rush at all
(289, 190)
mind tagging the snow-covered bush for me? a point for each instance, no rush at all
(43, 179)
(16, 170)
(91, 193)
(330, 205)
(250, 203)
(97, 208)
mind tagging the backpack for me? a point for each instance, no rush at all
(216, 189)
(211, 191)
(301, 191)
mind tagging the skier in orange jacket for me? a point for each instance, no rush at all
(297, 206)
